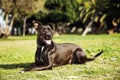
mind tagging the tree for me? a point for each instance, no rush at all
(92, 15)
(112, 18)
(27, 8)
(8, 7)
(98, 11)
(19, 8)
(62, 10)
(90, 12)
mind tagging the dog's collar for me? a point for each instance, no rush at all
(39, 46)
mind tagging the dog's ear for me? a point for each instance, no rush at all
(36, 24)
(52, 26)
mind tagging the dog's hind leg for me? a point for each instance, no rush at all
(79, 57)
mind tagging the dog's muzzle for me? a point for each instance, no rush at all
(46, 39)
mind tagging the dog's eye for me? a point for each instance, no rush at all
(49, 29)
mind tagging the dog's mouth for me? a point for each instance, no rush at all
(46, 41)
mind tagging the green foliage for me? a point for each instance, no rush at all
(103, 12)
(17, 53)
(64, 10)
(102, 9)
(58, 16)
(21, 7)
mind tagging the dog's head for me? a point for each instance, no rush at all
(44, 33)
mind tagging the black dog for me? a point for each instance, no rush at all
(50, 54)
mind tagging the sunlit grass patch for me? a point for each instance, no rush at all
(17, 53)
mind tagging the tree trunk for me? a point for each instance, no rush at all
(6, 25)
(24, 26)
(88, 28)
(11, 24)
(0, 31)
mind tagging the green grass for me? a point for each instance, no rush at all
(17, 53)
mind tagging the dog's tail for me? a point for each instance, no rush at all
(98, 54)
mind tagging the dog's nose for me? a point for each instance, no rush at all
(48, 36)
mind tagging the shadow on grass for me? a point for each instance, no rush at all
(16, 65)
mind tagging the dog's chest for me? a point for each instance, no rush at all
(45, 50)
(42, 48)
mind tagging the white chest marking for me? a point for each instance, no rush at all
(42, 49)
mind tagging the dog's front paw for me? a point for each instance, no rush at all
(22, 71)
(26, 70)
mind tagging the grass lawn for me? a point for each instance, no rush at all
(17, 53)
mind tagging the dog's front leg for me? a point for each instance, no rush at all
(38, 57)
(48, 67)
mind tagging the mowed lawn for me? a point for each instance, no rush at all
(17, 53)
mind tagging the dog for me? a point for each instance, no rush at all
(49, 53)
